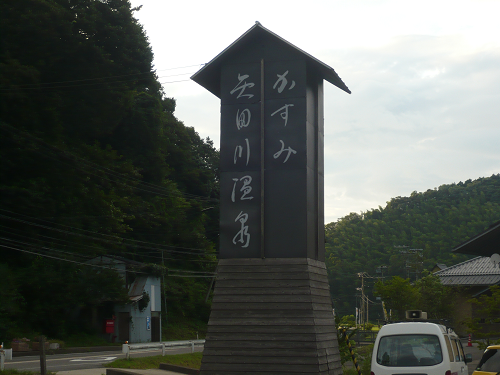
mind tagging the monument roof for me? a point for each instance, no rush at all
(209, 75)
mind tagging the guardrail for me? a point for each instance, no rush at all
(364, 336)
(127, 348)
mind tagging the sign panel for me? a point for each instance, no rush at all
(241, 162)
(276, 175)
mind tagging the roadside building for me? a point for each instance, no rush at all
(471, 278)
(139, 320)
(474, 277)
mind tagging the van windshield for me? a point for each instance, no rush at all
(409, 350)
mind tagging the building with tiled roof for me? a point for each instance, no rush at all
(439, 267)
(471, 279)
(479, 272)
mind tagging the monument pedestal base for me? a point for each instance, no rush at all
(271, 316)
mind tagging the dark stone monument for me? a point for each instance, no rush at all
(272, 310)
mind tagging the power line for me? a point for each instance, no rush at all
(210, 275)
(156, 189)
(189, 272)
(183, 80)
(94, 84)
(61, 259)
(84, 161)
(110, 238)
(109, 252)
(75, 245)
(42, 85)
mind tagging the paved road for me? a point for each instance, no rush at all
(476, 356)
(91, 363)
(81, 361)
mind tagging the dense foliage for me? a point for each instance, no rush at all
(94, 162)
(487, 305)
(426, 294)
(384, 239)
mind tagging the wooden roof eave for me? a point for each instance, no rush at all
(209, 75)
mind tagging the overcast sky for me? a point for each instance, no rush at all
(424, 75)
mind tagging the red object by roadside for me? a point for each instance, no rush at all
(469, 343)
(109, 326)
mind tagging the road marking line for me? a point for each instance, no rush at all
(93, 359)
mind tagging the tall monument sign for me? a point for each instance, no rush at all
(272, 310)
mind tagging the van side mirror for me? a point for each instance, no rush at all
(468, 358)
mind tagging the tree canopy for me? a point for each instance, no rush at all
(94, 162)
(487, 308)
(427, 294)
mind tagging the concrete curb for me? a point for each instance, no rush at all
(116, 371)
(179, 369)
(164, 367)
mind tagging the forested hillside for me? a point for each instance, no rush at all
(435, 221)
(94, 162)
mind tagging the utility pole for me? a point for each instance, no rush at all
(414, 262)
(43, 360)
(163, 294)
(367, 315)
(364, 299)
(380, 269)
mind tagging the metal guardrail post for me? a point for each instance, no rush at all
(2, 360)
(163, 349)
(192, 347)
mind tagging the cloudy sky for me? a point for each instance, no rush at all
(424, 75)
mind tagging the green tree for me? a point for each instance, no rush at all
(487, 312)
(11, 303)
(398, 295)
(434, 298)
(94, 162)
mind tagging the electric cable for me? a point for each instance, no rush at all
(135, 243)
(43, 85)
(104, 169)
(61, 259)
(109, 252)
(82, 256)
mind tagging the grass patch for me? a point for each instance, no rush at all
(192, 360)
(184, 330)
(349, 371)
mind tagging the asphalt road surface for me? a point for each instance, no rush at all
(78, 361)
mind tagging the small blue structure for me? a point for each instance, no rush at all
(140, 321)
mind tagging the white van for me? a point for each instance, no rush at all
(418, 348)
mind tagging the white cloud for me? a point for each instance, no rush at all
(424, 77)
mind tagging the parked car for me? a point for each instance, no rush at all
(490, 361)
(418, 348)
